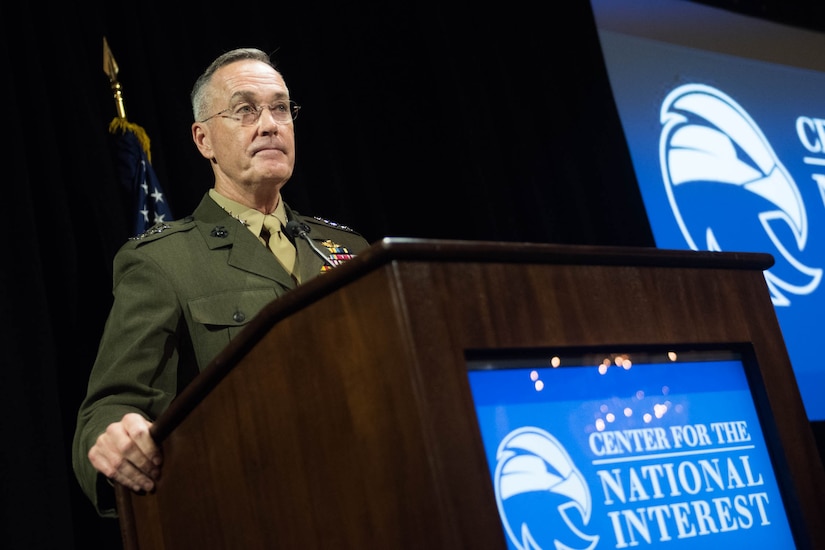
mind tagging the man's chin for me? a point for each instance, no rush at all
(281, 174)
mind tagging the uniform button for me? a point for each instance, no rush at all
(238, 317)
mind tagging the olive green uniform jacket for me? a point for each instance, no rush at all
(182, 291)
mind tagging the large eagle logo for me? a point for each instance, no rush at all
(729, 191)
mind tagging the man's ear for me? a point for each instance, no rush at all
(200, 135)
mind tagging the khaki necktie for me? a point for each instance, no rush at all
(278, 243)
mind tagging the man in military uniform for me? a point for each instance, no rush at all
(183, 289)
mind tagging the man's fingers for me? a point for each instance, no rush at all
(137, 428)
(133, 478)
(127, 454)
(116, 467)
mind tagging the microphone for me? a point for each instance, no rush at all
(296, 229)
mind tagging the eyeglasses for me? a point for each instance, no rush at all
(283, 112)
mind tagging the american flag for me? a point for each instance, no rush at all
(138, 178)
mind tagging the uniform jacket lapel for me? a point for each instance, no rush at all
(220, 230)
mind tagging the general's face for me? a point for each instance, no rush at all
(253, 154)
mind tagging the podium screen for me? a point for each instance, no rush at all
(637, 449)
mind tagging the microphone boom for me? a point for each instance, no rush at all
(298, 230)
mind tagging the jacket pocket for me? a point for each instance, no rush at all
(216, 319)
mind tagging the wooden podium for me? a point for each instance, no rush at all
(342, 418)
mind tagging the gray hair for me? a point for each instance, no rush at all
(199, 90)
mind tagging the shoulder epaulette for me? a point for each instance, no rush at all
(333, 224)
(162, 228)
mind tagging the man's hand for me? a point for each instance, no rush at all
(127, 454)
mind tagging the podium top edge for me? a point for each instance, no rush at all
(401, 248)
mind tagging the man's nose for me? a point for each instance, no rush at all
(267, 122)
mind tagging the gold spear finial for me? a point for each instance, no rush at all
(111, 70)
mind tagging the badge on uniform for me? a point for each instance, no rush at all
(338, 254)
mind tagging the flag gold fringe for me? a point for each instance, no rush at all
(122, 125)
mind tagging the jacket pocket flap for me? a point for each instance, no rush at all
(230, 308)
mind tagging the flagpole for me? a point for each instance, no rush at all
(119, 123)
(111, 69)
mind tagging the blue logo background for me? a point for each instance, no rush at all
(642, 74)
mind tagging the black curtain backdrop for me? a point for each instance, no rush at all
(421, 119)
